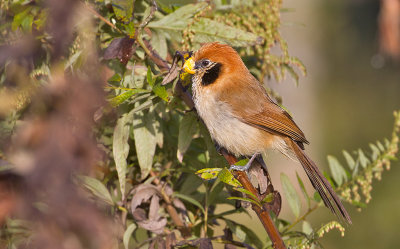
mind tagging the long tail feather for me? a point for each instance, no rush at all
(320, 183)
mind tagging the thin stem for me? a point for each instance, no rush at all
(310, 210)
(206, 210)
(88, 7)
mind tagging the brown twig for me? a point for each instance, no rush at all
(171, 209)
(88, 7)
(262, 214)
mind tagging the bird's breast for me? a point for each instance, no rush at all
(227, 130)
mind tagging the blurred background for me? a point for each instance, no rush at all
(345, 102)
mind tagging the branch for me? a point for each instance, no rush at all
(171, 209)
(242, 177)
(262, 214)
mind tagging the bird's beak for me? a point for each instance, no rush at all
(189, 66)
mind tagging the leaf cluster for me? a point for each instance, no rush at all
(160, 178)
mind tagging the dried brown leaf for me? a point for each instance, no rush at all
(121, 48)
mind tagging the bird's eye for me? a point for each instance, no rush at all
(205, 63)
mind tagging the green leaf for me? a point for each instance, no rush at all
(24, 19)
(187, 128)
(159, 43)
(149, 77)
(349, 159)
(123, 9)
(291, 195)
(226, 176)
(363, 159)
(268, 198)
(97, 188)
(317, 197)
(145, 140)
(208, 173)
(242, 162)
(375, 151)
(303, 189)
(245, 191)
(244, 199)
(207, 30)
(358, 204)
(338, 172)
(190, 200)
(380, 146)
(307, 228)
(214, 159)
(118, 100)
(130, 29)
(156, 86)
(121, 147)
(244, 234)
(178, 20)
(128, 234)
(160, 91)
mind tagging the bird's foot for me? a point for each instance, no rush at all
(246, 167)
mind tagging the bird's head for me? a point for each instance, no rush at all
(212, 61)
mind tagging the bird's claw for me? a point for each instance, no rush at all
(240, 168)
(244, 168)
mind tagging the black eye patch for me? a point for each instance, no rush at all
(211, 75)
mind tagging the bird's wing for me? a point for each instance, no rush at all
(262, 113)
(275, 121)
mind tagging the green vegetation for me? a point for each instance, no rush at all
(82, 106)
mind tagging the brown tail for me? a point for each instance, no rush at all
(319, 182)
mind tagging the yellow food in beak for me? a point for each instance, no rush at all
(189, 66)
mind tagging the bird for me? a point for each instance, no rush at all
(242, 118)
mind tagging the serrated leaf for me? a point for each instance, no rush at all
(338, 172)
(291, 195)
(123, 9)
(178, 20)
(226, 176)
(303, 189)
(97, 188)
(118, 100)
(187, 128)
(208, 173)
(156, 86)
(349, 159)
(128, 234)
(161, 92)
(145, 140)
(121, 147)
(190, 200)
(207, 30)
(363, 159)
